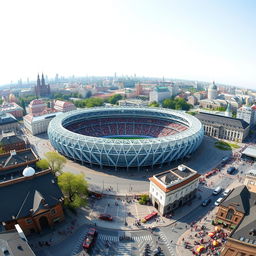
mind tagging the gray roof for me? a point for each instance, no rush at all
(240, 198)
(16, 246)
(7, 119)
(222, 120)
(25, 198)
(250, 151)
(12, 139)
(16, 157)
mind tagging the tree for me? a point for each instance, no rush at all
(75, 189)
(55, 162)
(154, 104)
(115, 98)
(1, 150)
(42, 164)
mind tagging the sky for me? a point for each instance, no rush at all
(186, 39)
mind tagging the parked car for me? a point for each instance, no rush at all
(231, 170)
(90, 238)
(218, 201)
(206, 202)
(217, 191)
(226, 192)
(106, 217)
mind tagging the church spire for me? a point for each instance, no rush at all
(43, 81)
(38, 80)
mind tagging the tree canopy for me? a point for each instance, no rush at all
(89, 103)
(42, 164)
(55, 161)
(115, 98)
(178, 104)
(154, 104)
(75, 189)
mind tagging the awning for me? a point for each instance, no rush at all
(250, 151)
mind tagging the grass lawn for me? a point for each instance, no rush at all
(127, 138)
(226, 145)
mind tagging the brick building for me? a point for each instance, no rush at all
(11, 141)
(237, 212)
(29, 196)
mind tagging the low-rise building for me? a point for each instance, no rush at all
(64, 106)
(8, 123)
(248, 114)
(12, 108)
(159, 93)
(223, 127)
(30, 196)
(38, 124)
(237, 212)
(13, 244)
(171, 189)
(11, 141)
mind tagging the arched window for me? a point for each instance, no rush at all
(230, 214)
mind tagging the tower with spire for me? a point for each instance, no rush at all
(42, 90)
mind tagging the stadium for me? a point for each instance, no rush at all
(125, 136)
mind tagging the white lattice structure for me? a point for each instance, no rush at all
(125, 152)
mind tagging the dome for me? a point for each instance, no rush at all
(213, 86)
(28, 171)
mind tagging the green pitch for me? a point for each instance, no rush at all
(127, 138)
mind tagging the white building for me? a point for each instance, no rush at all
(133, 103)
(160, 93)
(248, 114)
(171, 189)
(38, 124)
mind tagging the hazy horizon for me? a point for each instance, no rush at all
(190, 40)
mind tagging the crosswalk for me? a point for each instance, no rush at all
(111, 245)
(165, 240)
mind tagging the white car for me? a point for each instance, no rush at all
(226, 192)
(218, 201)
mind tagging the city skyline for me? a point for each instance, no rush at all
(183, 40)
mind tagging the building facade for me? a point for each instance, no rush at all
(64, 106)
(248, 114)
(223, 127)
(42, 89)
(250, 180)
(237, 212)
(12, 108)
(8, 123)
(31, 196)
(10, 141)
(171, 189)
(38, 124)
(159, 93)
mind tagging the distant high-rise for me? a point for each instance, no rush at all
(42, 89)
(212, 91)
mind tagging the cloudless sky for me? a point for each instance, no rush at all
(189, 39)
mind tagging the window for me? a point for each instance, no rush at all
(53, 211)
(221, 214)
(29, 221)
(236, 219)
(230, 214)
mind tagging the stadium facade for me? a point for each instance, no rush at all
(125, 136)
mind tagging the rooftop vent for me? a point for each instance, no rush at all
(13, 152)
(181, 168)
(252, 232)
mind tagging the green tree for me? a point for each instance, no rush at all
(42, 164)
(154, 104)
(75, 189)
(55, 161)
(1, 150)
(115, 98)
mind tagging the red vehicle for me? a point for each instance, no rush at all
(150, 216)
(90, 238)
(106, 217)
